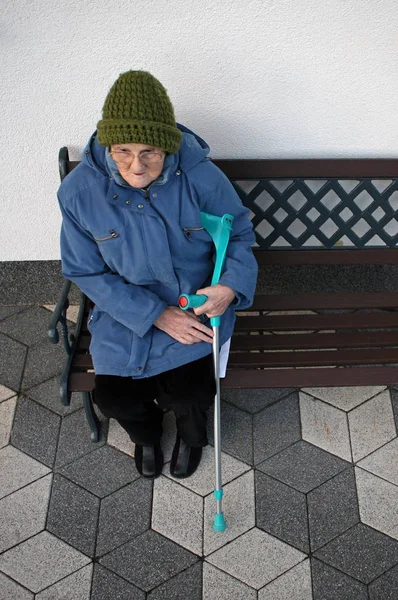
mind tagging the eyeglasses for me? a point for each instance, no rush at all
(146, 157)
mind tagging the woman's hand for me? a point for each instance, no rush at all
(183, 326)
(219, 297)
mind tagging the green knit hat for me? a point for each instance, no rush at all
(137, 109)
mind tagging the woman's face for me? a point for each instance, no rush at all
(138, 164)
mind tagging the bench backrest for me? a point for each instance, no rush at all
(346, 206)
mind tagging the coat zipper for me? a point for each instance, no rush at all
(112, 235)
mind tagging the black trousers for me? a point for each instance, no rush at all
(188, 390)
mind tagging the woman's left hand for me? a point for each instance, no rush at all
(219, 297)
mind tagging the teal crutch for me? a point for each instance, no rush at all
(219, 229)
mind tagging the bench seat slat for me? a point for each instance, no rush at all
(324, 301)
(316, 322)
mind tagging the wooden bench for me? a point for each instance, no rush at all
(324, 213)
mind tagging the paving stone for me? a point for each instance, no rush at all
(124, 515)
(178, 514)
(394, 400)
(383, 462)
(296, 584)
(187, 584)
(17, 470)
(345, 398)
(276, 428)
(44, 360)
(371, 425)
(385, 587)
(7, 410)
(73, 515)
(119, 438)
(28, 327)
(24, 512)
(74, 438)
(234, 420)
(360, 552)
(5, 393)
(108, 585)
(330, 584)
(254, 400)
(332, 508)
(325, 426)
(76, 586)
(41, 561)
(256, 558)
(12, 591)
(12, 362)
(217, 585)
(103, 471)
(378, 501)
(203, 480)
(72, 312)
(35, 431)
(169, 436)
(48, 395)
(281, 511)
(8, 311)
(239, 510)
(131, 561)
(303, 466)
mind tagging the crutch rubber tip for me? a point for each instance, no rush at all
(219, 523)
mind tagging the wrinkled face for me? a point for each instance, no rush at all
(138, 164)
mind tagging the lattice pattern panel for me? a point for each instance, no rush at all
(322, 213)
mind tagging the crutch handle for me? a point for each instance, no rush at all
(186, 301)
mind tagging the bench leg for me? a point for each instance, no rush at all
(91, 417)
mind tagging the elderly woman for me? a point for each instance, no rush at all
(132, 240)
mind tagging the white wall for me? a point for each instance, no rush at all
(255, 78)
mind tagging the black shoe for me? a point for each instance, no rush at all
(185, 459)
(149, 460)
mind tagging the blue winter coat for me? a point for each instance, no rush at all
(134, 252)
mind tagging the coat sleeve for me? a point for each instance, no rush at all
(217, 196)
(132, 305)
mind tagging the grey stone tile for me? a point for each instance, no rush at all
(12, 362)
(187, 584)
(330, 584)
(76, 586)
(236, 432)
(169, 435)
(41, 561)
(74, 438)
(73, 515)
(296, 584)
(345, 398)
(178, 514)
(360, 552)
(48, 395)
(371, 425)
(149, 560)
(103, 471)
(378, 501)
(124, 515)
(383, 462)
(7, 409)
(385, 587)
(12, 591)
(276, 428)
(254, 400)
(17, 470)
(44, 360)
(24, 512)
(8, 311)
(28, 327)
(303, 466)
(256, 558)
(239, 510)
(394, 400)
(332, 508)
(119, 438)
(5, 393)
(325, 426)
(281, 511)
(108, 585)
(217, 585)
(35, 431)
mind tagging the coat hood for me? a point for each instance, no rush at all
(193, 150)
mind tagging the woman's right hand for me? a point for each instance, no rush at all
(183, 326)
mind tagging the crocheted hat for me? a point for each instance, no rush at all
(137, 109)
